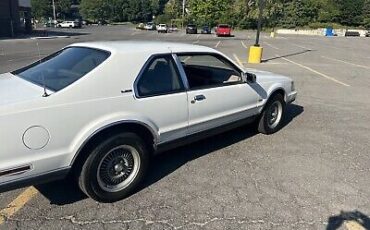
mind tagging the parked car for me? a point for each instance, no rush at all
(102, 23)
(150, 26)
(223, 30)
(206, 30)
(86, 22)
(173, 28)
(78, 23)
(367, 33)
(191, 29)
(67, 24)
(162, 28)
(80, 114)
(351, 33)
(140, 26)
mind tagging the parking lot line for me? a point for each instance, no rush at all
(244, 45)
(196, 42)
(274, 47)
(17, 203)
(238, 60)
(299, 46)
(353, 225)
(218, 43)
(315, 71)
(345, 62)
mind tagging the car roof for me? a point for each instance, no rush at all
(143, 47)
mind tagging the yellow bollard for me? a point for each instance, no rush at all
(255, 54)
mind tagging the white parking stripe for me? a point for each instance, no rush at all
(196, 42)
(244, 45)
(218, 43)
(299, 46)
(274, 47)
(238, 60)
(315, 71)
(345, 62)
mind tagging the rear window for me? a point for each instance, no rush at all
(62, 68)
(223, 26)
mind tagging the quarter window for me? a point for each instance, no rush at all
(204, 71)
(160, 77)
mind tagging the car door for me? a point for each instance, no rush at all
(217, 94)
(161, 97)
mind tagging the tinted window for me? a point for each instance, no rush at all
(160, 77)
(223, 26)
(63, 68)
(204, 71)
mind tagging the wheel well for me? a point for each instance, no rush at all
(87, 147)
(278, 91)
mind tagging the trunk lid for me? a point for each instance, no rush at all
(16, 90)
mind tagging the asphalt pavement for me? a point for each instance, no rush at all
(313, 174)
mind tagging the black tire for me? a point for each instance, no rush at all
(267, 124)
(90, 181)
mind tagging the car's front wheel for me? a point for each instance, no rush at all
(114, 168)
(272, 115)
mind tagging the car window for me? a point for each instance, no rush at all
(204, 71)
(160, 77)
(61, 69)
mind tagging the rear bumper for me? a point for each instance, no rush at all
(34, 180)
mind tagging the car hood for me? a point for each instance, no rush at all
(15, 90)
(265, 77)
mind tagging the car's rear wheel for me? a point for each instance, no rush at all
(114, 168)
(272, 115)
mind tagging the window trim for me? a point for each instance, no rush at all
(144, 68)
(52, 55)
(217, 55)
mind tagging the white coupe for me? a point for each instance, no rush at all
(99, 110)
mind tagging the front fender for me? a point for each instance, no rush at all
(270, 89)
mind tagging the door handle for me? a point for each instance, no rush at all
(198, 98)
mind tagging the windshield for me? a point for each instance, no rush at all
(61, 69)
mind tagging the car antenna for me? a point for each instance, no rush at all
(42, 73)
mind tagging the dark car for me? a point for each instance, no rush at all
(78, 23)
(351, 33)
(191, 29)
(206, 30)
(102, 23)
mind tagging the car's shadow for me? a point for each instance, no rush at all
(66, 192)
(360, 220)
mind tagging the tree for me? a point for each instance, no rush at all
(41, 8)
(95, 9)
(366, 14)
(350, 12)
(211, 11)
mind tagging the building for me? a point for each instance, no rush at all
(15, 17)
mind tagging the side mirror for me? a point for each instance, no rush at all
(249, 77)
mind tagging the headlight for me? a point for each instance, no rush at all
(292, 86)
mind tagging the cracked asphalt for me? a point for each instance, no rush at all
(313, 174)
